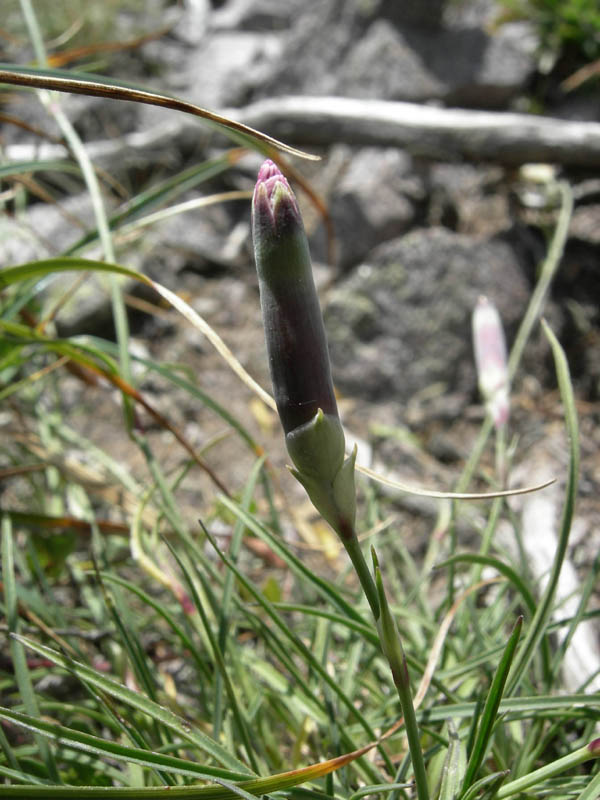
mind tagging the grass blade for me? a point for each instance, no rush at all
(454, 765)
(295, 640)
(163, 192)
(96, 86)
(275, 543)
(538, 625)
(217, 654)
(574, 759)
(22, 676)
(48, 165)
(490, 710)
(138, 701)
(503, 569)
(592, 790)
(110, 749)
(255, 786)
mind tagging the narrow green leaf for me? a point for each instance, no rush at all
(41, 269)
(22, 676)
(22, 777)
(50, 165)
(6, 748)
(491, 782)
(225, 622)
(391, 644)
(224, 791)
(500, 566)
(592, 790)
(295, 640)
(163, 192)
(380, 788)
(551, 770)
(454, 765)
(160, 609)
(105, 748)
(521, 707)
(278, 546)
(217, 654)
(195, 391)
(537, 628)
(490, 710)
(163, 715)
(366, 631)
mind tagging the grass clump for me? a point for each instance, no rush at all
(565, 27)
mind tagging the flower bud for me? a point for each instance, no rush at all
(490, 359)
(297, 350)
(296, 343)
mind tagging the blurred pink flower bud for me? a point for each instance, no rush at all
(490, 360)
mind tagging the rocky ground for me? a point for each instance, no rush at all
(417, 238)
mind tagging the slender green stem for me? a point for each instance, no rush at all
(367, 583)
(391, 645)
(547, 272)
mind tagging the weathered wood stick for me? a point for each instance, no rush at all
(447, 134)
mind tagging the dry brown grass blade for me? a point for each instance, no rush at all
(66, 523)
(11, 119)
(24, 469)
(113, 91)
(77, 53)
(581, 76)
(198, 322)
(37, 190)
(213, 337)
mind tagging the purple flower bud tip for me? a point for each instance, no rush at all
(594, 747)
(274, 203)
(268, 170)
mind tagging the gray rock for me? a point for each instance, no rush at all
(462, 66)
(424, 13)
(343, 51)
(193, 22)
(257, 15)
(314, 47)
(43, 230)
(374, 201)
(229, 67)
(98, 119)
(469, 199)
(383, 64)
(471, 14)
(401, 322)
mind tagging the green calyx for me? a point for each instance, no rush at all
(317, 449)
